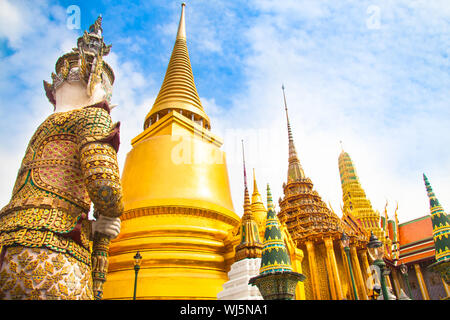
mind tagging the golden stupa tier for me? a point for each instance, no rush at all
(178, 91)
(305, 214)
(354, 197)
(178, 211)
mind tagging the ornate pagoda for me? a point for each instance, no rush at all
(317, 231)
(178, 206)
(354, 197)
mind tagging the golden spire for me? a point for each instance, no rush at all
(243, 162)
(250, 245)
(269, 199)
(256, 197)
(385, 222)
(181, 34)
(355, 199)
(178, 91)
(295, 170)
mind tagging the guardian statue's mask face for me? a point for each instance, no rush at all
(84, 64)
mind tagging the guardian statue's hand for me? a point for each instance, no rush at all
(106, 225)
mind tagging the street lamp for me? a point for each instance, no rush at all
(404, 271)
(376, 252)
(345, 241)
(137, 265)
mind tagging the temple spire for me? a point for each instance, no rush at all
(274, 254)
(258, 209)
(181, 34)
(178, 91)
(255, 187)
(355, 199)
(295, 170)
(243, 161)
(269, 199)
(441, 226)
(250, 245)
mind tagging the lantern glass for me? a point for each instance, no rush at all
(137, 259)
(375, 248)
(345, 240)
(403, 268)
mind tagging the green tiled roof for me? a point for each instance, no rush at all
(440, 223)
(274, 254)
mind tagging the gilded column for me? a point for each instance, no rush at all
(446, 287)
(358, 274)
(396, 282)
(388, 281)
(348, 280)
(366, 268)
(297, 266)
(330, 276)
(313, 269)
(333, 266)
(423, 287)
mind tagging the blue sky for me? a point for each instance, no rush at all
(374, 74)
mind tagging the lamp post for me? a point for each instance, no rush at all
(345, 241)
(404, 271)
(376, 252)
(137, 266)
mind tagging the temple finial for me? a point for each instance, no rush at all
(178, 91)
(97, 26)
(255, 187)
(287, 115)
(181, 34)
(342, 146)
(269, 199)
(243, 162)
(295, 170)
(441, 231)
(250, 245)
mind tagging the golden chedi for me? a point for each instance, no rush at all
(354, 197)
(176, 194)
(258, 209)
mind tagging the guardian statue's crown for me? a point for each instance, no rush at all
(84, 63)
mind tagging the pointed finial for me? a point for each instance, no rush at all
(181, 34)
(385, 217)
(295, 170)
(269, 198)
(285, 108)
(342, 146)
(427, 183)
(255, 187)
(434, 202)
(291, 139)
(97, 26)
(243, 161)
